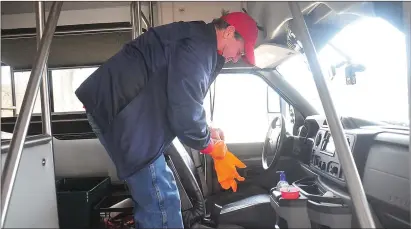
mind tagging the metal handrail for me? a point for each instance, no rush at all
(135, 13)
(30, 141)
(133, 19)
(44, 86)
(12, 162)
(407, 31)
(342, 148)
(151, 14)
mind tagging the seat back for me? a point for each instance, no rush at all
(209, 183)
(185, 172)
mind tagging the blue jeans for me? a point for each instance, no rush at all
(154, 192)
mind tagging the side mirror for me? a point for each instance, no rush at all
(350, 73)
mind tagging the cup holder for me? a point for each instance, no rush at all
(309, 187)
(312, 189)
(314, 192)
(326, 209)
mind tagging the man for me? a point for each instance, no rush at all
(152, 91)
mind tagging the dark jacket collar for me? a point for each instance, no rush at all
(220, 61)
(211, 34)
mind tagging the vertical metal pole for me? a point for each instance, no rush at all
(407, 30)
(138, 18)
(50, 91)
(151, 13)
(344, 153)
(133, 20)
(13, 91)
(44, 86)
(135, 9)
(12, 162)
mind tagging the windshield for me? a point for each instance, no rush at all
(380, 91)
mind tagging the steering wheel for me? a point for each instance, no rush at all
(274, 142)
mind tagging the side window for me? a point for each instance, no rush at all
(65, 83)
(241, 108)
(6, 92)
(21, 80)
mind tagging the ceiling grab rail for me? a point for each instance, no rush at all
(355, 187)
(12, 162)
(407, 30)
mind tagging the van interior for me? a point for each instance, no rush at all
(273, 117)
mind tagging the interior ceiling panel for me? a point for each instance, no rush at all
(273, 15)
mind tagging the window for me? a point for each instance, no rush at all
(21, 80)
(380, 92)
(273, 104)
(240, 108)
(6, 92)
(65, 83)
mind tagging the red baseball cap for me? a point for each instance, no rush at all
(247, 28)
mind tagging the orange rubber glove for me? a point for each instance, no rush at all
(226, 167)
(219, 150)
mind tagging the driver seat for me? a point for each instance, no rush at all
(253, 211)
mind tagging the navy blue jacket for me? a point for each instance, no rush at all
(152, 91)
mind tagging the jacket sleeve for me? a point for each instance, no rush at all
(186, 85)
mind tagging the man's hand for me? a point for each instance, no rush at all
(219, 150)
(217, 134)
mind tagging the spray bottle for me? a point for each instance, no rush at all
(283, 182)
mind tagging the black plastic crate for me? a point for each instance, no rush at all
(107, 215)
(76, 198)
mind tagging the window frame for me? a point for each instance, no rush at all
(50, 88)
(13, 89)
(51, 91)
(14, 97)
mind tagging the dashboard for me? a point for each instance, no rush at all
(323, 156)
(381, 155)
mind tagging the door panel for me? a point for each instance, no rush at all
(254, 174)
(250, 155)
